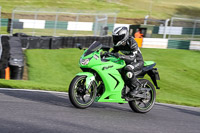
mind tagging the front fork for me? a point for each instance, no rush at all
(89, 78)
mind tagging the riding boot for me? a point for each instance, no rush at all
(135, 87)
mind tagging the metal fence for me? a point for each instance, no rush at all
(160, 26)
(184, 29)
(61, 22)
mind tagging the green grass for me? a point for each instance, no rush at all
(179, 72)
(161, 9)
(180, 75)
(48, 70)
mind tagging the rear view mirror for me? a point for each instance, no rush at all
(78, 45)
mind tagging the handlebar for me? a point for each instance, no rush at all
(109, 53)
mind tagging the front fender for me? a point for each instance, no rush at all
(89, 77)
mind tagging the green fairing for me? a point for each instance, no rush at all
(108, 71)
(148, 63)
(112, 80)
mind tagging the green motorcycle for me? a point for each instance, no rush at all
(101, 81)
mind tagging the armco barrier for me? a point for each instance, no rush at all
(195, 45)
(154, 43)
(178, 44)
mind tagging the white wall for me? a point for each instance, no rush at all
(80, 26)
(195, 45)
(154, 43)
(170, 30)
(29, 23)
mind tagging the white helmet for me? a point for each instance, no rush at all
(120, 35)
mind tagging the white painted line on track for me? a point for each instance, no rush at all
(179, 106)
(55, 92)
(66, 93)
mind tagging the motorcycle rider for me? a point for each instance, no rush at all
(131, 55)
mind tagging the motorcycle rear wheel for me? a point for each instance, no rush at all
(79, 96)
(144, 105)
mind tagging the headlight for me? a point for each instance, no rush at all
(84, 61)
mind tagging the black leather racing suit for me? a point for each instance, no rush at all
(133, 58)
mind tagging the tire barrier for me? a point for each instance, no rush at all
(24, 42)
(4, 55)
(16, 61)
(2, 73)
(48, 42)
(33, 42)
(44, 42)
(12, 55)
(16, 72)
(56, 42)
(70, 42)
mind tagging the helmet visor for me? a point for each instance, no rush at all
(117, 38)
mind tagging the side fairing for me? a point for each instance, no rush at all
(108, 71)
(113, 83)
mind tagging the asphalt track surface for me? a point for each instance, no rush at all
(24, 111)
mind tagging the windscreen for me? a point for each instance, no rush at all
(93, 47)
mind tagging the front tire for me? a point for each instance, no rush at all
(79, 95)
(144, 105)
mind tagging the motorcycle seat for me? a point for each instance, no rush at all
(144, 70)
(147, 68)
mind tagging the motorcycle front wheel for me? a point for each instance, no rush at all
(79, 95)
(144, 105)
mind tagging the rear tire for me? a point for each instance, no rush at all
(79, 96)
(144, 105)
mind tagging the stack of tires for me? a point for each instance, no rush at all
(16, 61)
(86, 41)
(4, 55)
